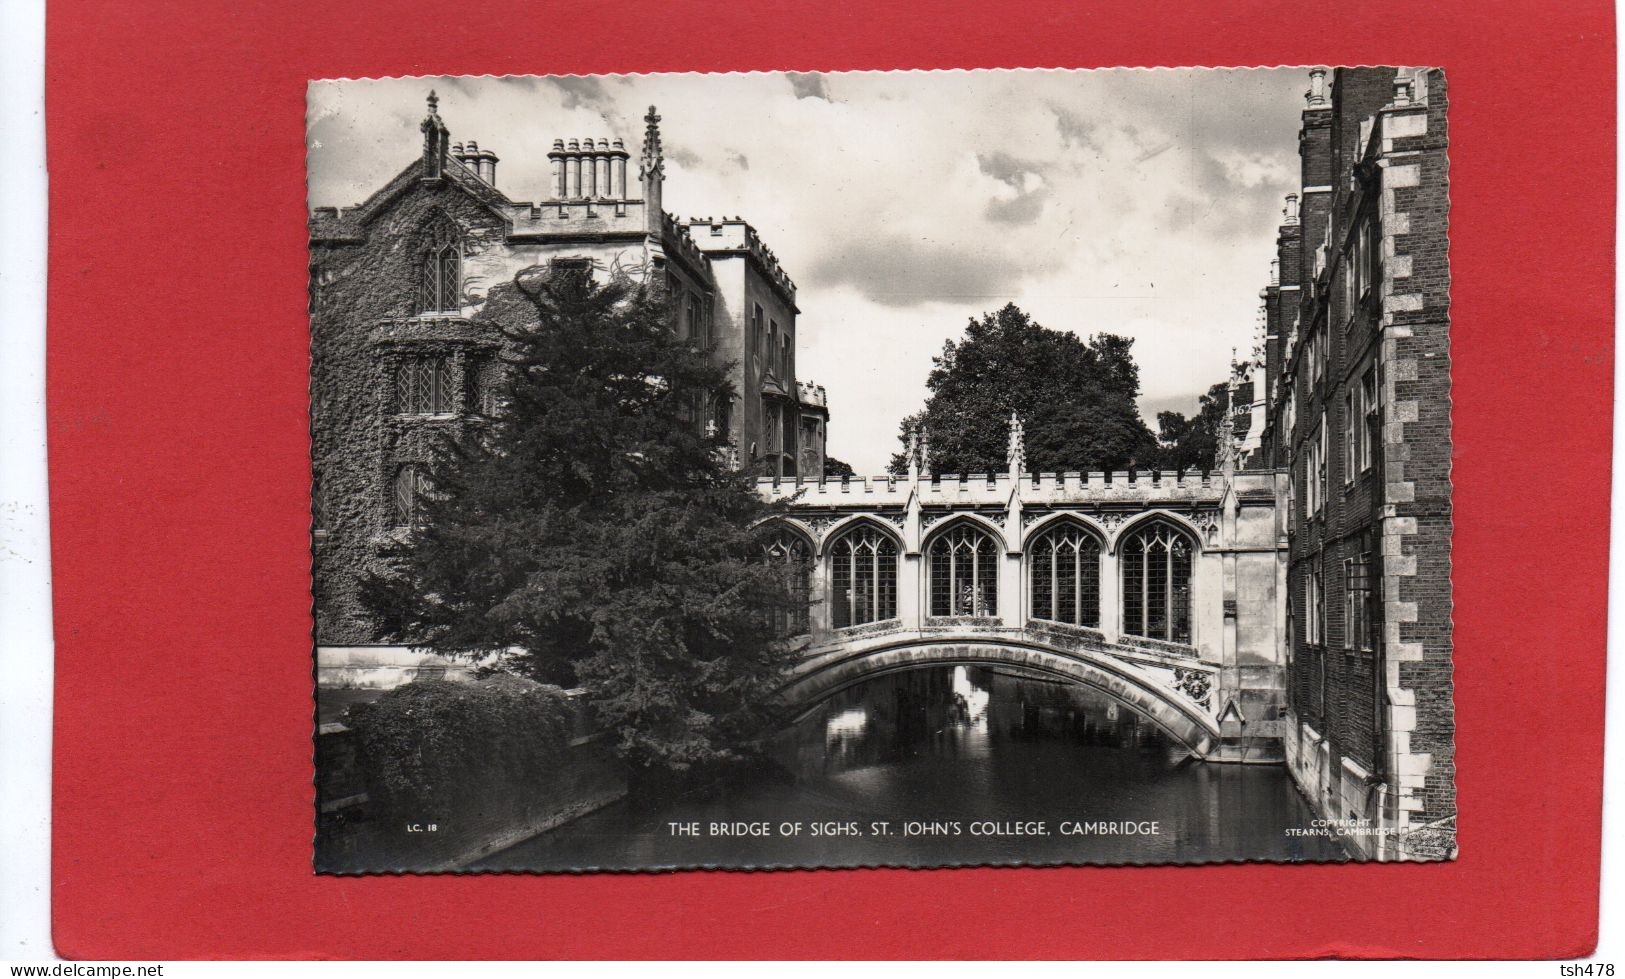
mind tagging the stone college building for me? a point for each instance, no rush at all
(398, 361)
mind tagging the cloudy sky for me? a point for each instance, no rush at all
(1139, 202)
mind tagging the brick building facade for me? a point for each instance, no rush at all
(1355, 361)
(399, 361)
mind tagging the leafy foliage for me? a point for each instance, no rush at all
(1076, 398)
(594, 532)
(835, 468)
(435, 748)
(1193, 443)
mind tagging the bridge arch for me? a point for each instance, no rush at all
(823, 676)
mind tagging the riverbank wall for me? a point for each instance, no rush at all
(1351, 800)
(356, 835)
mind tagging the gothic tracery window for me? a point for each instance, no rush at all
(1064, 564)
(790, 555)
(863, 574)
(440, 282)
(1156, 563)
(443, 280)
(964, 572)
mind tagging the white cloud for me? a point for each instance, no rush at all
(1136, 202)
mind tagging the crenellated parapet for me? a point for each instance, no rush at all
(678, 238)
(811, 395)
(736, 235)
(1131, 487)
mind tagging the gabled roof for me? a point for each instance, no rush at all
(351, 223)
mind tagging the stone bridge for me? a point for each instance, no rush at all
(1163, 590)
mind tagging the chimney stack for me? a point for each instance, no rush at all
(556, 159)
(600, 166)
(1316, 95)
(1404, 88)
(589, 172)
(588, 169)
(618, 157)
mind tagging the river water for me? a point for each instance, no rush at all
(955, 765)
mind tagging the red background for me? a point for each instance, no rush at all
(179, 477)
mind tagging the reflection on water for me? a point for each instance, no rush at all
(959, 765)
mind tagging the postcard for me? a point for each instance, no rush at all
(919, 468)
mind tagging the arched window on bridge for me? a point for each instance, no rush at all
(1156, 563)
(964, 572)
(789, 554)
(863, 573)
(1065, 575)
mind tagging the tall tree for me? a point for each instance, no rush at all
(1193, 443)
(592, 528)
(1076, 399)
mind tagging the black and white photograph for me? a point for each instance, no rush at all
(881, 469)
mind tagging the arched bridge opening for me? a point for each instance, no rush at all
(826, 674)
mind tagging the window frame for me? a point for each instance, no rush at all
(1321, 485)
(884, 552)
(1350, 300)
(423, 386)
(1175, 535)
(1314, 626)
(435, 294)
(406, 489)
(1371, 419)
(783, 544)
(757, 335)
(1314, 474)
(1358, 610)
(984, 552)
(1368, 606)
(1045, 536)
(1351, 419)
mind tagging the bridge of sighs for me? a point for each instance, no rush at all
(1163, 590)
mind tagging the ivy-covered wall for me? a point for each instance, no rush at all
(436, 774)
(365, 291)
